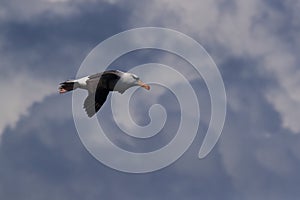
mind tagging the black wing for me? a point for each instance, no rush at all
(108, 72)
(99, 86)
(107, 80)
(94, 101)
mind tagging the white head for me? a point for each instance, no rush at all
(128, 80)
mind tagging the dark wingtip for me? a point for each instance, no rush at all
(90, 106)
(90, 113)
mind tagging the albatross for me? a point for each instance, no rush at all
(99, 85)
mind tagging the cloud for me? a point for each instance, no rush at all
(19, 92)
(255, 46)
(250, 29)
(24, 11)
(287, 107)
(49, 157)
(35, 58)
(262, 83)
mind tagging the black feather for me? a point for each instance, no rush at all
(69, 86)
(94, 101)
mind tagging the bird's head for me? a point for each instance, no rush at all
(134, 80)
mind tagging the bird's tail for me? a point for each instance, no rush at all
(67, 86)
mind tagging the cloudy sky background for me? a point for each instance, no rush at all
(255, 45)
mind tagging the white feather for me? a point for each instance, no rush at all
(82, 82)
(126, 81)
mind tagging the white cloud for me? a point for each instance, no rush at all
(244, 158)
(286, 97)
(240, 28)
(29, 10)
(248, 30)
(287, 107)
(19, 92)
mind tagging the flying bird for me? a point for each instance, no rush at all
(99, 85)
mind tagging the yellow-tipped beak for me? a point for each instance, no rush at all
(144, 85)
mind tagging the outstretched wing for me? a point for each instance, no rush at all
(99, 86)
(107, 80)
(94, 101)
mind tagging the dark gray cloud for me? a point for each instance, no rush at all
(47, 160)
(56, 44)
(257, 156)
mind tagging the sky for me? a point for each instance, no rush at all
(255, 45)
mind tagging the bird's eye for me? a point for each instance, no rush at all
(135, 77)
